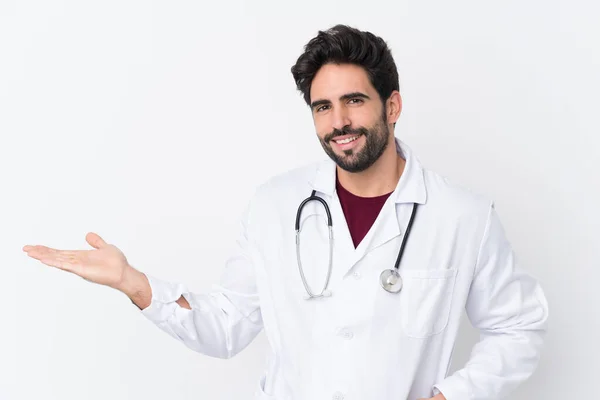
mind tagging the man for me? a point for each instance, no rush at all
(365, 334)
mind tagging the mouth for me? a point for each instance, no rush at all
(346, 142)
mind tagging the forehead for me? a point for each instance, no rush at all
(332, 81)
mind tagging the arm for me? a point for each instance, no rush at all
(510, 310)
(220, 323)
(136, 286)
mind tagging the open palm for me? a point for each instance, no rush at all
(104, 265)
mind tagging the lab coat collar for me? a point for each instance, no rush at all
(410, 188)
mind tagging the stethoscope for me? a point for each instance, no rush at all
(389, 279)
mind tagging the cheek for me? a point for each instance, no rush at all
(363, 117)
(322, 127)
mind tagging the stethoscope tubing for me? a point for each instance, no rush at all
(326, 292)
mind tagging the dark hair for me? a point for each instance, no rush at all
(343, 44)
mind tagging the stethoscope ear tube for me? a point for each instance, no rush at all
(324, 292)
(312, 197)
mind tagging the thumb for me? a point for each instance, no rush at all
(95, 240)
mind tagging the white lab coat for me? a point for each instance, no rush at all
(363, 342)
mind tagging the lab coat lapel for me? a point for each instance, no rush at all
(346, 252)
(391, 221)
(395, 213)
(385, 228)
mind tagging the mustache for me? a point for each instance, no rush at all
(345, 131)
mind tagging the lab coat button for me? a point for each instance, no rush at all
(356, 275)
(338, 396)
(346, 334)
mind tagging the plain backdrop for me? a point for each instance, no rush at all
(151, 123)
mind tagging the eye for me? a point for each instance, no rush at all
(356, 100)
(320, 108)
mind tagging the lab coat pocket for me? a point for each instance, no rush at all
(426, 301)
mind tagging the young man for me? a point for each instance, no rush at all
(406, 253)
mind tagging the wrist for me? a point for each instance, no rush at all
(136, 286)
(132, 281)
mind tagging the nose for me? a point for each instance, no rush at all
(340, 118)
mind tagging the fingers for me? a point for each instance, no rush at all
(38, 251)
(58, 263)
(95, 240)
(64, 259)
(92, 238)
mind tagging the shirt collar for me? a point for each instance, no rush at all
(410, 188)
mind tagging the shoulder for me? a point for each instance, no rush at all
(285, 186)
(455, 200)
(290, 179)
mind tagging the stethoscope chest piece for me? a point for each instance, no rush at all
(391, 281)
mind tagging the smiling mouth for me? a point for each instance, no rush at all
(346, 140)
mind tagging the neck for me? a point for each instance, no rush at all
(380, 178)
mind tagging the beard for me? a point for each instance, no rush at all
(376, 141)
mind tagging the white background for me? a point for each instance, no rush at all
(151, 123)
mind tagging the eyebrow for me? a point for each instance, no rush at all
(346, 96)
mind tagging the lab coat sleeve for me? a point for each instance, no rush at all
(222, 321)
(510, 310)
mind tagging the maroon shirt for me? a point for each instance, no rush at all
(360, 212)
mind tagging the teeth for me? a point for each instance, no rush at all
(344, 141)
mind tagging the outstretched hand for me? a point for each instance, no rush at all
(104, 265)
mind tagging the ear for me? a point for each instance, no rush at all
(393, 107)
